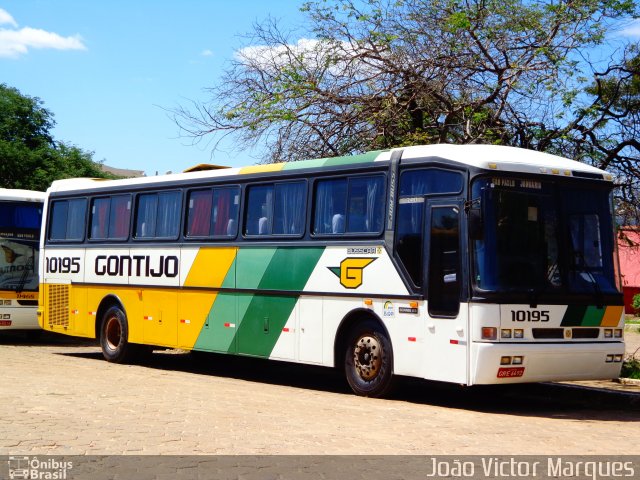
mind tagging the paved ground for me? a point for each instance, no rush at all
(632, 340)
(60, 397)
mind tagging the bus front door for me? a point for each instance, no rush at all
(447, 320)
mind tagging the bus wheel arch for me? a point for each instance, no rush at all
(106, 303)
(112, 331)
(363, 349)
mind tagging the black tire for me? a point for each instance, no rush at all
(114, 334)
(368, 360)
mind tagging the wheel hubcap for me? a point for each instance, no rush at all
(113, 333)
(367, 357)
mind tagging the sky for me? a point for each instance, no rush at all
(109, 70)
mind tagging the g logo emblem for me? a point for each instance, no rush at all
(350, 271)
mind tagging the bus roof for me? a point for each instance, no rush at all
(21, 195)
(489, 157)
(499, 157)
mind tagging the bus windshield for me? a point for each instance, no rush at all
(541, 237)
(19, 237)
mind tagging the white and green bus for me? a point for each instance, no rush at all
(20, 222)
(469, 264)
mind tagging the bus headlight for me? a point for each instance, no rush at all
(617, 333)
(518, 333)
(505, 333)
(518, 360)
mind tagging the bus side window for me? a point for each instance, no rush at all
(199, 213)
(349, 205)
(330, 201)
(110, 217)
(409, 227)
(146, 209)
(158, 215)
(68, 219)
(290, 205)
(259, 208)
(276, 209)
(59, 213)
(366, 204)
(224, 215)
(415, 185)
(99, 214)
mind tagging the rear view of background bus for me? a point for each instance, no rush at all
(20, 219)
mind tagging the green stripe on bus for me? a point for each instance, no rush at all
(573, 316)
(230, 279)
(593, 317)
(266, 315)
(333, 161)
(290, 268)
(351, 159)
(217, 334)
(251, 324)
(219, 331)
(305, 164)
(251, 264)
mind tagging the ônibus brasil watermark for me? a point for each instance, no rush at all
(34, 468)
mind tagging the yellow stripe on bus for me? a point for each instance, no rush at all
(270, 167)
(210, 267)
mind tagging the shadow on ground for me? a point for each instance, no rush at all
(40, 338)
(539, 400)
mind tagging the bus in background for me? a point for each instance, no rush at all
(20, 223)
(472, 264)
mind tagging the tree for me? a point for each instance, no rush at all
(609, 132)
(29, 156)
(384, 73)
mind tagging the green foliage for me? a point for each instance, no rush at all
(458, 21)
(630, 368)
(635, 303)
(29, 156)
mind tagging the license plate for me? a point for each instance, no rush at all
(5, 323)
(510, 372)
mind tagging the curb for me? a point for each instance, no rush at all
(595, 397)
(628, 381)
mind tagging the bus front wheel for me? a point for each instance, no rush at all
(114, 333)
(368, 360)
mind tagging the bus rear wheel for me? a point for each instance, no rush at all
(114, 333)
(368, 360)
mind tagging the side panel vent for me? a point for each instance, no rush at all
(58, 305)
